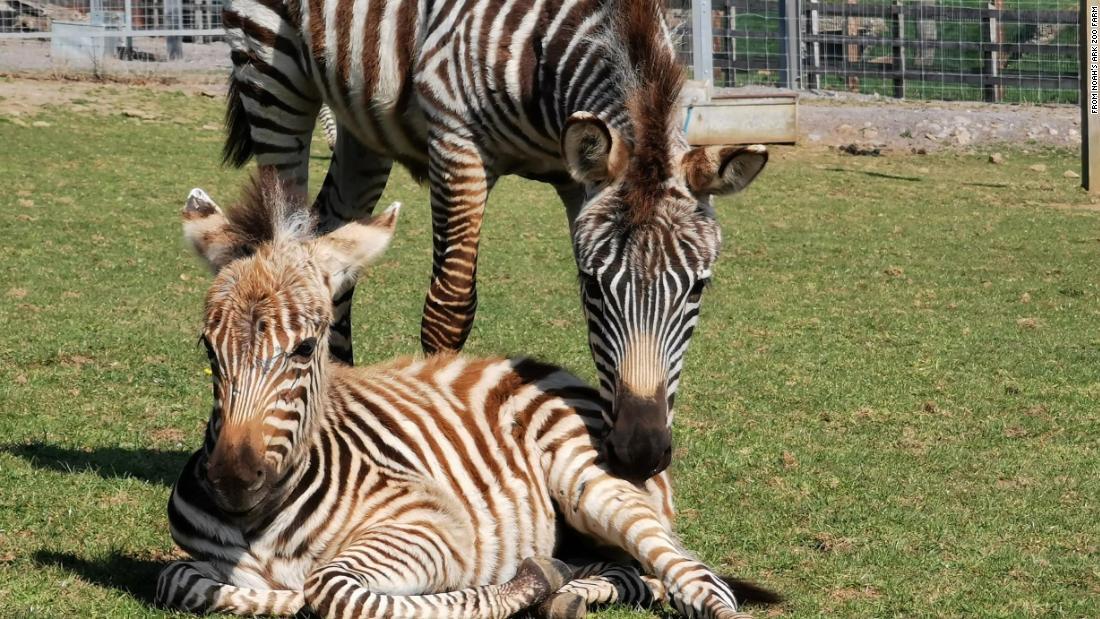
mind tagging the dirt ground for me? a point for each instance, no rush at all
(825, 120)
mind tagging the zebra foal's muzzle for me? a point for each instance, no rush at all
(639, 444)
(238, 476)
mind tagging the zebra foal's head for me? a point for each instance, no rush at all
(266, 320)
(646, 238)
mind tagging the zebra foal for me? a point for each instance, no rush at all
(427, 488)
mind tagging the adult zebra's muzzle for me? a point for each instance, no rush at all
(639, 445)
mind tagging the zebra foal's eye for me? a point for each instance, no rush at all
(305, 350)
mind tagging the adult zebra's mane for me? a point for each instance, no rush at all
(653, 94)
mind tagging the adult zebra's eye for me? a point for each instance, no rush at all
(591, 286)
(696, 293)
(305, 349)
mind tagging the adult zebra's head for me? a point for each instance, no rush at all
(266, 320)
(646, 239)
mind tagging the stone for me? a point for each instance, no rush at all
(962, 137)
(996, 158)
(1038, 167)
(40, 123)
(1071, 174)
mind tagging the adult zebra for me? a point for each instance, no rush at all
(411, 489)
(579, 93)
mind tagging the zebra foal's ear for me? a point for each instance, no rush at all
(342, 252)
(717, 170)
(207, 230)
(593, 152)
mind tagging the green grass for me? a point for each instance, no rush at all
(889, 408)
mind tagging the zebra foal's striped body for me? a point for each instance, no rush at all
(578, 93)
(415, 488)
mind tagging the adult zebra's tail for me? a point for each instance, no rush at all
(328, 126)
(239, 147)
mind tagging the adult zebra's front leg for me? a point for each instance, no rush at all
(460, 185)
(355, 180)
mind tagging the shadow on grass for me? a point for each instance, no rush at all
(135, 577)
(151, 465)
(893, 177)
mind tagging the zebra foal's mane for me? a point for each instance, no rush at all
(268, 213)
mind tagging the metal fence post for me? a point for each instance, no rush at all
(173, 17)
(788, 33)
(702, 40)
(899, 49)
(128, 7)
(815, 29)
(992, 39)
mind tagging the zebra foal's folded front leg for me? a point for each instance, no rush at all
(337, 590)
(190, 586)
(387, 570)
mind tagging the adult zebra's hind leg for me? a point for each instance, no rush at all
(190, 586)
(460, 185)
(355, 180)
(600, 584)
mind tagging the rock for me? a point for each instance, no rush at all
(1038, 167)
(213, 94)
(931, 137)
(1071, 174)
(962, 137)
(1052, 131)
(869, 133)
(996, 158)
(40, 123)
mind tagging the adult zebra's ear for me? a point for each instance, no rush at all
(344, 251)
(593, 152)
(207, 230)
(718, 170)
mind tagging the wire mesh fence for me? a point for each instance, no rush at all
(992, 50)
(999, 50)
(112, 36)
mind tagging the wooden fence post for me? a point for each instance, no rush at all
(992, 37)
(815, 28)
(1089, 80)
(898, 31)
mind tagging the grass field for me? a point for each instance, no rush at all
(890, 407)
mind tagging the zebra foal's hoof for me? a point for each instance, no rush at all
(563, 606)
(546, 575)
